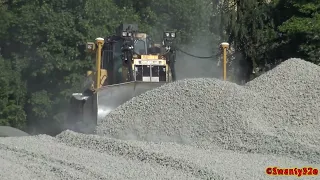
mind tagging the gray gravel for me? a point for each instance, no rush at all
(293, 88)
(191, 129)
(44, 157)
(209, 113)
(7, 131)
(77, 156)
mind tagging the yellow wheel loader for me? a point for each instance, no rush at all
(127, 65)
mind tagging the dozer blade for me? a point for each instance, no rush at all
(79, 96)
(110, 97)
(86, 111)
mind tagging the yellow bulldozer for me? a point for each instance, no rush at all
(127, 64)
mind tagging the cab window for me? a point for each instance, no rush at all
(140, 47)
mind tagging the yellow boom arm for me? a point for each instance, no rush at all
(101, 74)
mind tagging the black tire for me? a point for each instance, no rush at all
(129, 57)
(172, 67)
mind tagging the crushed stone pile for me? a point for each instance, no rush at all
(205, 112)
(7, 131)
(294, 89)
(199, 128)
(44, 157)
(188, 111)
(72, 155)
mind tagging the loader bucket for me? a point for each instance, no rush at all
(87, 111)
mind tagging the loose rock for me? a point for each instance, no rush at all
(200, 128)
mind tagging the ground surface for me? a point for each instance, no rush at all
(191, 129)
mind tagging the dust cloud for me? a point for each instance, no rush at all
(193, 67)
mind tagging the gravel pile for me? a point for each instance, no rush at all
(191, 129)
(191, 111)
(77, 156)
(294, 89)
(190, 161)
(206, 113)
(7, 131)
(44, 157)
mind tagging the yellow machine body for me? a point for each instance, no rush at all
(99, 97)
(118, 77)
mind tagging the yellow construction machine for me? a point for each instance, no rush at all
(126, 65)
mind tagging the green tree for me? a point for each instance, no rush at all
(299, 25)
(249, 28)
(43, 42)
(12, 97)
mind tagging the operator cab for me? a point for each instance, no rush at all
(148, 66)
(133, 56)
(143, 45)
(140, 44)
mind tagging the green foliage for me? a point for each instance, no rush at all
(249, 27)
(264, 34)
(188, 18)
(12, 96)
(42, 46)
(302, 28)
